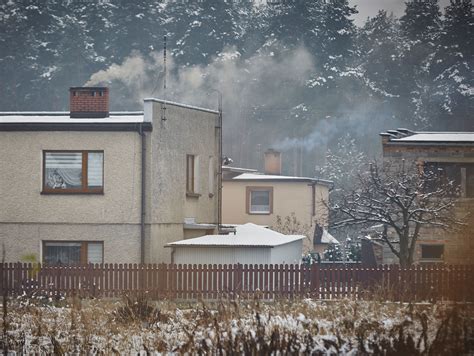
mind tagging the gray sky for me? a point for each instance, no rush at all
(371, 7)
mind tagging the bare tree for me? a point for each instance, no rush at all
(404, 200)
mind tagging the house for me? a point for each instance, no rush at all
(93, 186)
(452, 155)
(249, 244)
(264, 199)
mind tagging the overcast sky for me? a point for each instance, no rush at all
(371, 7)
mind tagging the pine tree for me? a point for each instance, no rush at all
(200, 30)
(290, 24)
(420, 29)
(138, 26)
(337, 35)
(452, 68)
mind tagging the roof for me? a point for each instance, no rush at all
(247, 235)
(186, 106)
(61, 121)
(238, 169)
(327, 238)
(439, 137)
(63, 117)
(405, 136)
(322, 236)
(276, 178)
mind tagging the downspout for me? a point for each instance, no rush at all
(219, 201)
(143, 191)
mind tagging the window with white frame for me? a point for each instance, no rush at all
(72, 252)
(259, 200)
(73, 171)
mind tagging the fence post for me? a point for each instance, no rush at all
(2, 279)
(237, 279)
(315, 281)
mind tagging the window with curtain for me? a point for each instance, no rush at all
(259, 200)
(73, 171)
(73, 252)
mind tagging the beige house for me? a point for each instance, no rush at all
(250, 196)
(91, 185)
(452, 155)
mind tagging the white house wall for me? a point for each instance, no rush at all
(222, 255)
(289, 253)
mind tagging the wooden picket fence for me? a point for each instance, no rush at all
(191, 282)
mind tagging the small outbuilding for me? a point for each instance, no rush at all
(250, 244)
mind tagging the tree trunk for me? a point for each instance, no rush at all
(405, 260)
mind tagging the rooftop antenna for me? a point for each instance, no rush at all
(164, 71)
(163, 106)
(164, 63)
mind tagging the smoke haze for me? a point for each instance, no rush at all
(258, 100)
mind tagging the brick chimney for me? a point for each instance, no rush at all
(89, 102)
(272, 162)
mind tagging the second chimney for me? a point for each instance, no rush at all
(272, 162)
(89, 102)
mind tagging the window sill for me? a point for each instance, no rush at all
(71, 193)
(192, 195)
(262, 213)
(431, 260)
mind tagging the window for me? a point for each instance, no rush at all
(192, 175)
(432, 252)
(470, 181)
(259, 200)
(73, 172)
(443, 175)
(211, 176)
(458, 177)
(71, 253)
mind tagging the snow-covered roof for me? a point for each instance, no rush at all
(432, 137)
(247, 235)
(268, 177)
(62, 117)
(186, 106)
(238, 169)
(327, 238)
(438, 137)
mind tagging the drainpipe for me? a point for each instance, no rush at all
(219, 168)
(143, 192)
(219, 191)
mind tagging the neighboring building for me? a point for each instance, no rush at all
(93, 186)
(249, 244)
(249, 196)
(452, 154)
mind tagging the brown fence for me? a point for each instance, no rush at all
(185, 282)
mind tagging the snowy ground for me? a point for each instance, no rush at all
(304, 326)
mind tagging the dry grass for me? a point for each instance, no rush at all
(225, 327)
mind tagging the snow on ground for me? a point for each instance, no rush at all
(304, 326)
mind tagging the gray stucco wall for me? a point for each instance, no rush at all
(184, 131)
(121, 241)
(28, 217)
